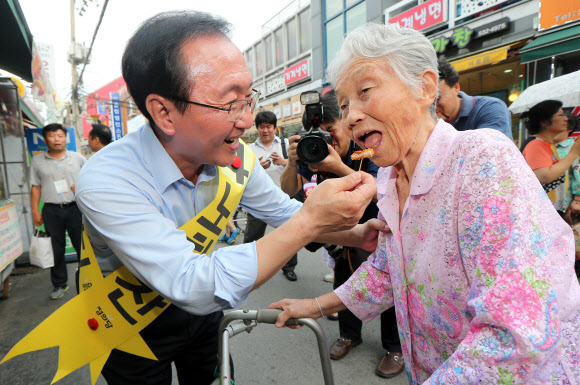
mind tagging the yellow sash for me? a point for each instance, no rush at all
(117, 307)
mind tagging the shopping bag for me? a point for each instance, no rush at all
(41, 250)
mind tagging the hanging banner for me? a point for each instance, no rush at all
(41, 87)
(117, 121)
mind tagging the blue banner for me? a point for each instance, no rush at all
(117, 121)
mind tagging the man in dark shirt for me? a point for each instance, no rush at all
(466, 112)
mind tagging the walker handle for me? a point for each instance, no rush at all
(270, 316)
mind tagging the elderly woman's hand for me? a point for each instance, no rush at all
(307, 308)
(295, 308)
(366, 234)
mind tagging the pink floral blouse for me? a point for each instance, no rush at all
(480, 268)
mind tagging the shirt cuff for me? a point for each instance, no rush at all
(236, 271)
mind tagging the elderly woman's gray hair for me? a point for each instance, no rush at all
(407, 51)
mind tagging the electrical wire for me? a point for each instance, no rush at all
(91, 47)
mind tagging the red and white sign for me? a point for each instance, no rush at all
(422, 16)
(297, 72)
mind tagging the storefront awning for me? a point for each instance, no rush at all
(563, 88)
(15, 40)
(552, 44)
(481, 59)
(31, 113)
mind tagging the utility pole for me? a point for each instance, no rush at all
(74, 60)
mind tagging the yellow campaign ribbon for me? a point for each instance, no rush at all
(110, 311)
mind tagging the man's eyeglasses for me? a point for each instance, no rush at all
(236, 109)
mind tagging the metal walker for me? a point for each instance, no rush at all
(249, 319)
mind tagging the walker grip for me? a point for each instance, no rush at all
(270, 316)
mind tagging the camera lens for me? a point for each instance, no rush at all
(312, 150)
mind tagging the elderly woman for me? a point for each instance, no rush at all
(478, 262)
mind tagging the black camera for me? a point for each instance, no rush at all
(313, 145)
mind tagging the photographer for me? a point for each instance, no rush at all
(338, 163)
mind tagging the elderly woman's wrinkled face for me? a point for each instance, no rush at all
(378, 110)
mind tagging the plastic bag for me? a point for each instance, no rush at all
(41, 250)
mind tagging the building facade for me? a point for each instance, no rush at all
(499, 47)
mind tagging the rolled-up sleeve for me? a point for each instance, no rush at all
(160, 255)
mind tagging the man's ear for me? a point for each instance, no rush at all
(456, 88)
(161, 110)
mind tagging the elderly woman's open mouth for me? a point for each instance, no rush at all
(369, 139)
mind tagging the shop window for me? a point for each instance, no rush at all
(305, 31)
(543, 70)
(567, 63)
(259, 59)
(334, 38)
(356, 16)
(332, 7)
(340, 17)
(292, 34)
(249, 56)
(279, 47)
(268, 51)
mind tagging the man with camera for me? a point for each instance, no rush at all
(268, 149)
(325, 150)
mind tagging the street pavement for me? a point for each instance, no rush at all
(266, 356)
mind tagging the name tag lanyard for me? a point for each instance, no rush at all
(60, 186)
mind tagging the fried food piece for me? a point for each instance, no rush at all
(368, 153)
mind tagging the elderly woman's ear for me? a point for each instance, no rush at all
(429, 91)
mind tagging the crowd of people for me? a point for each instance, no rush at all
(462, 246)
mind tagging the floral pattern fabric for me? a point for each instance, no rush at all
(479, 268)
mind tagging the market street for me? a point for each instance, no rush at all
(265, 356)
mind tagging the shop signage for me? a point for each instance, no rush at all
(422, 16)
(490, 28)
(10, 237)
(117, 121)
(469, 7)
(101, 107)
(278, 112)
(296, 108)
(460, 37)
(275, 84)
(485, 58)
(297, 72)
(287, 110)
(553, 13)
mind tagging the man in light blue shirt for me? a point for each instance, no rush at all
(193, 86)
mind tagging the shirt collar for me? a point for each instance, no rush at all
(434, 153)
(162, 167)
(432, 156)
(466, 106)
(259, 142)
(50, 157)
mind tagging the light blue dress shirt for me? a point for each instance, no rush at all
(134, 199)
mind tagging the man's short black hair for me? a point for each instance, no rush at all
(267, 117)
(53, 127)
(153, 61)
(447, 72)
(102, 132)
